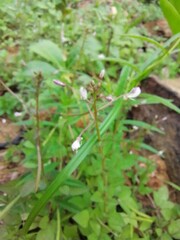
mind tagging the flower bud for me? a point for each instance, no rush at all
(59, 83)
(109, 98)
(102, 73)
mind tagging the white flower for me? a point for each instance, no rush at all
(76, 144)
(102, 73)
(135, 128)
(113, 11)
(160, 153)
(3, 121)
(59, 83)
(134, 93)
(83, 93)
(101, 56)
(17, 114)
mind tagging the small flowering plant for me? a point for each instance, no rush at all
(93, 105)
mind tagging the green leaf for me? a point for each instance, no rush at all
(171, 14)
(175, 186)
(161, 196)
(82, 218)
(142, 124)
(92, 46)
(121, 61)
(96, 228)
(50, 51)
(176, 4)
(115, 221)
(155, 59)
(173, 229)
(69, 206)
(152, 99)
(148, 147)
(150, 40)
(38, 66)
(47, 232)
(8, 207)
(71, 232)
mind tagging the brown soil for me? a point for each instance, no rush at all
(9, 171)
(158, 28)
(167, 120)
(8, 130)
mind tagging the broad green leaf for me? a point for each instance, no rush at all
(166, 236)
(92, 46)
(49, 51)
(115, 221)
(127, 163)
(171, 14)
(71, 232)
(72, 208)
(161, 195)
(173, 229)
(96, 228)
(48, 232)
(176, 4)
(38, 66)
(82, 218)
(73, 56)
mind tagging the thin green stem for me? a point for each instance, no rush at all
(109, 40)
(38, 140)
(104, 177)
(96, 118)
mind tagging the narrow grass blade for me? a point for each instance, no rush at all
(150, 40)
(8, 207)
(121, 61)
(153, 99)
(143, 125)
